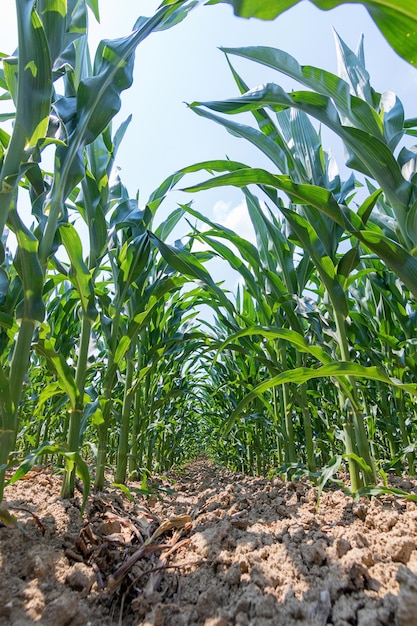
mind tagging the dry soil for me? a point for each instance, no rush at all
(213, 548)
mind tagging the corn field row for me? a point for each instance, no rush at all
(110, 366)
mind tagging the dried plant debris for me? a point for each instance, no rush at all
(218, 549)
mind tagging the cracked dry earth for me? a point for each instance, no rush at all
(221, 549)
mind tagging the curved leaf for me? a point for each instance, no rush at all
(396, 19)
(301, 375)
(279, 333)
(357, 111)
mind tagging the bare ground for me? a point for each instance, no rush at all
(222, 549)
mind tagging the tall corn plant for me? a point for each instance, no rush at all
(371, 126)
(52, 41)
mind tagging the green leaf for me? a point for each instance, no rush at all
(396, 19)
(372, 155)
(34, 77)
(390, 491)
(187, 264)
(359, 113)
(262, 9)
(122, 348)
(302, 194)
(79, 274)
(327, 474)
(133, 259)
(301, 375)
(94, 6)
(347, 264)
(63, 371)
(28, 267)
(53, 448)
(270, 332)
(98, 100)
(52, 389)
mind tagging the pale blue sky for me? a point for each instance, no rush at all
(184, 64)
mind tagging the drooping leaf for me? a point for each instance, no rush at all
(396, 19)
(301, 375)
(58, 364)
(187, 264)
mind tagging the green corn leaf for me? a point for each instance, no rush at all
(262, 9)
(34, 76)
(291, 336)
(299, 193)
(327, 474)
(265, 124)
(164, 230)
(52, 448)
(11, 74)
(27, 266)
(359, 113)
(397, 258)
(275, 246)
(367, 205)
(312, 244)
(359, 460)
(58, 364)
(234, 261)
(187, 264)
(403, 264)
(264, 143)
(381, 491)
(5, 396)
(349, 261)
(371, 155)
(54, 17)
(351, 68)
(53, 389)
(396, 19)
(303, 194)
(117, 139)
(94, 6)
(301, 375)
(98, 100)
(156, 292)
(133, 259)
(79, 274)
(246, 248)
(122, 347)
(90, 207)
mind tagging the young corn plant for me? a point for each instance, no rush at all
(52, 41)
(318, 213)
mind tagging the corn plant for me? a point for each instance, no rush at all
(52, 44)
(315, 215)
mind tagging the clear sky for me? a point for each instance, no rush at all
(184, 64)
